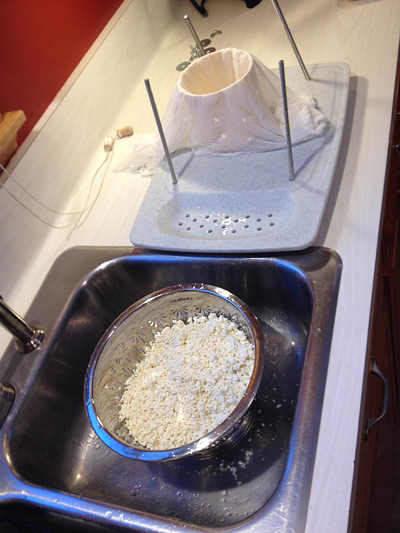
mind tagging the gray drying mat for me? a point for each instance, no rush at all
(246, 203)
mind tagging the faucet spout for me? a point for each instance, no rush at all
(28, 338)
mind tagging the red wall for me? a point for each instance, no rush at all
(41, 43)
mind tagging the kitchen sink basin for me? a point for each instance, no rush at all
(56, 474)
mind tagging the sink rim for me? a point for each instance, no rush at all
(14, 490)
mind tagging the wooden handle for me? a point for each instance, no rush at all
(10, 123)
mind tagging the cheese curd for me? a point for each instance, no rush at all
(193, 376)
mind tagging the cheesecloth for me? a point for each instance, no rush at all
(228, 102)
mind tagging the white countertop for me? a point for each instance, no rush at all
(148, 39)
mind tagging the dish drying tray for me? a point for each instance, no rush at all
(246, 203)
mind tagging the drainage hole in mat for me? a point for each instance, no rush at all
(227, 224)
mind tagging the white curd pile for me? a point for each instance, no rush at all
(193, 376)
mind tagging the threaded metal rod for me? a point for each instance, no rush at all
(161, 131)
(290, 37)
(287, 123)
(195, 36)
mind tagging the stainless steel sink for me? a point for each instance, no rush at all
(56, 474)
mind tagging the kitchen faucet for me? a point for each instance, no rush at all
(28, 338)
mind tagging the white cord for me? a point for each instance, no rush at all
(87, 208)
(31, 196)
(30, 210)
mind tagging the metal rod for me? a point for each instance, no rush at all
(286, 116)
(161, 132)
(288, 33)
(195, 36)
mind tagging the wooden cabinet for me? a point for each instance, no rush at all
(375, 472)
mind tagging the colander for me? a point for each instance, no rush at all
(123, 345)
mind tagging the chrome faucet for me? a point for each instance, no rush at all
(28, 338)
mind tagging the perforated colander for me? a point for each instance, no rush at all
(123, 345)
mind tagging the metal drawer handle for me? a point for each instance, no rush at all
(372, 421)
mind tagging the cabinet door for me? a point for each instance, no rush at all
(376, 458)
(372, 505)
(385, 454)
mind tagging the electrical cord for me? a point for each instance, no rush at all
(108, 147)
(87, 210)
(63, 213)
